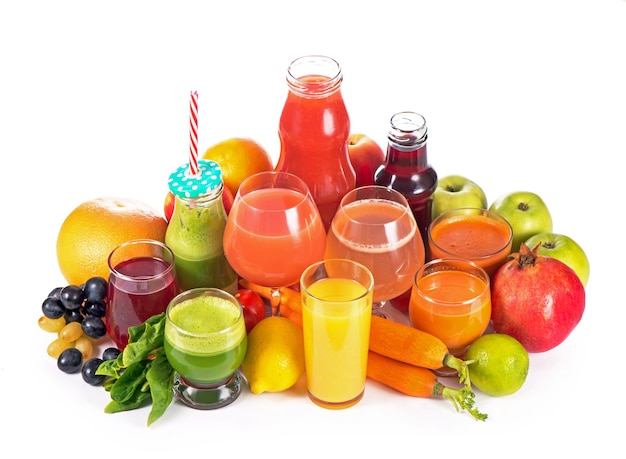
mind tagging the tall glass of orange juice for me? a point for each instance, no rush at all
(479, 235)
(336, 315)
(451, 299)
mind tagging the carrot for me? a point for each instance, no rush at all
(418, 382)
(294, 316)
(413, 346)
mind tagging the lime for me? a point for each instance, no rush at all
(499, 364)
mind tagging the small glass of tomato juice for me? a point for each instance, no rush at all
(478, 235)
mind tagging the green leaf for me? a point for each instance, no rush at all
(127, 384)
(141, 373)
(139, 400)
(145, 339)
(109, 368)
(160, 376)
(135, 333)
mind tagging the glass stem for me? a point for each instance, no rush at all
(385, 310)
(275, 301)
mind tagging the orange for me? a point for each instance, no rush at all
(93, 229)
(239, 158)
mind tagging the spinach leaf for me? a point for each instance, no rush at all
(129, 382)
(160, 376)
(143, 340)
(141, 373)
(138, 400)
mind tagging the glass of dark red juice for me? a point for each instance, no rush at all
(142, 282)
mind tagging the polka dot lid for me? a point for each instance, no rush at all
(184, 185)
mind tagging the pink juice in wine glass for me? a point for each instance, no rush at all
(373, 233)
(139, 289)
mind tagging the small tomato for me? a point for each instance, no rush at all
(253, 307)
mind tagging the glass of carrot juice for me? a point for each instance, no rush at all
(451, 299)
(479, 235)
(336, 316)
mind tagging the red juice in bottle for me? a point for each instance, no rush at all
(139, 288)
(406, 168)
(314, 130)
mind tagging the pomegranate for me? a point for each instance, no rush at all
(536, 299)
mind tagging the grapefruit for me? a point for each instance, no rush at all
(94, 228)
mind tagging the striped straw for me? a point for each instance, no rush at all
(193, 133)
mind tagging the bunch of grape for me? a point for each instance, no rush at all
(75, 314)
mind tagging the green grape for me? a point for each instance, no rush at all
(51, 325)
(57, 346)
(85, 346)
(71, 332)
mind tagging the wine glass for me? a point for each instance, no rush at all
(274, 231)
(374, 226)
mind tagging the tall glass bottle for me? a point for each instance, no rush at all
(406, 168)
(314, 129)
(196, 229)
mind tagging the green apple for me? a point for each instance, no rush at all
(563, 248)
(456, 191)
(527, 213)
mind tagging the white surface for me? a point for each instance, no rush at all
(517, 96)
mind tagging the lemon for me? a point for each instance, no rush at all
(500, 364)
(274, 360)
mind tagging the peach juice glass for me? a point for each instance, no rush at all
(451, 299)
(479, 235)
(274, 231)
(374, 226)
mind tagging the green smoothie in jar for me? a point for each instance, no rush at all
(196, 229)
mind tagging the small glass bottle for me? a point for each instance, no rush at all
(406, 168)
(314, 129)
(196, 229)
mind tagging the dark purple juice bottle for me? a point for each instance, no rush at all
(406, 168)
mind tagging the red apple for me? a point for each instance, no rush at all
(227, 199)
(168, 204)
(365, 156)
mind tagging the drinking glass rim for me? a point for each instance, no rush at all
(399, 199)
(195, 293)
(300, 187)
(460, 261)
(486, 213)
(142, 278)
(369, 289)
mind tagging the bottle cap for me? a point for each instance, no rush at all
(184, 185)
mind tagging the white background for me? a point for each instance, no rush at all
(517, 95)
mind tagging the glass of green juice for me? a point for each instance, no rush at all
(205, 342)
